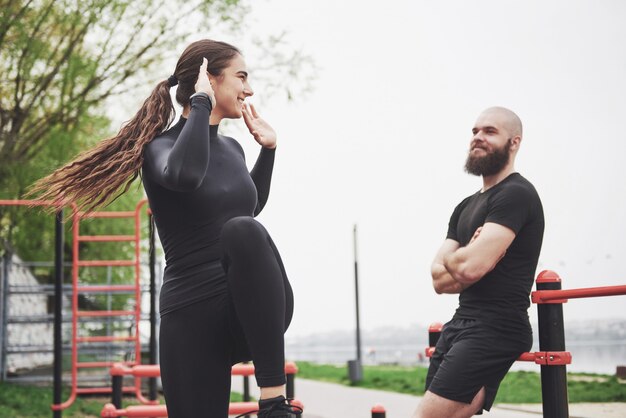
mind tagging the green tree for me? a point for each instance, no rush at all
(60, 60)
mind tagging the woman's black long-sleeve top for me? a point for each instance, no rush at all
(196, 180)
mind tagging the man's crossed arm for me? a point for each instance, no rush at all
(455, 268)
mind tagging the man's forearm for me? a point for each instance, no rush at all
(456, 264)
(443, 282)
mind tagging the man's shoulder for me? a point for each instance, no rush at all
(518, 184)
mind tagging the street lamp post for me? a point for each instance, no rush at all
(355, 370)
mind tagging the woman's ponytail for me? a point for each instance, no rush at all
(98, 176)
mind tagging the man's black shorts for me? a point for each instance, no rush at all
(472, 354)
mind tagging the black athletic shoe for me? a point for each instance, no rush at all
(278, 407)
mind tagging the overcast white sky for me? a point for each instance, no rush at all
(382, 140)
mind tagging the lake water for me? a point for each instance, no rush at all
(587, 356)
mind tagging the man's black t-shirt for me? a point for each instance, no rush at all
(503, 293)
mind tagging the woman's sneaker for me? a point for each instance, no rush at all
(277, 407)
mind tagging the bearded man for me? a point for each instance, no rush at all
(489, 258)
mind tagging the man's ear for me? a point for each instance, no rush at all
(516, 141)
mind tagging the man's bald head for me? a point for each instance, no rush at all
(507, 118)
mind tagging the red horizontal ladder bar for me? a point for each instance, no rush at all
(105, 389)
(125, 214)
(104, 313)
(106, 263)
(103, 339)
(98, 364)
(107, 288)
(106, 238)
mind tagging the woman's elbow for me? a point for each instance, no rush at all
(184, 182)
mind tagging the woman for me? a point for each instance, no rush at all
(225, 295)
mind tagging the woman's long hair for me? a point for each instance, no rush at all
(98, 176)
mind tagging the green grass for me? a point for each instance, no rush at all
(517, 387)
(22, 401)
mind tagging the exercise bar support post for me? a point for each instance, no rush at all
(58, 311)
(152, 382)
(378, 411)
(552, 338)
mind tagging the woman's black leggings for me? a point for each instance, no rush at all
(200, 342)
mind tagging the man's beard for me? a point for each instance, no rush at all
(490, 164)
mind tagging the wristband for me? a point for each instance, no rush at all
(203, 95)
(199, 94)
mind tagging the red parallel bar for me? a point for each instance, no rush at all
(105, 263)
(126, 214)
(541, 296)
(527, 357)
(143, 411)
(153, 370)
(140, 370)
(103, 339)
(106, 238)
(105, 389)
(102, 313)
(546, 357)
(107, 288)
(94, 364)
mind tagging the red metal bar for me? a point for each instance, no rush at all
(106, 263)
(104, 390)
(104, 339)
(18, 202)
(106, 238)
(111, 214)
(92, 314)
(429, 351)
(548, 358)
(143, 411)
(153, 370)
(143, 370)
(545, 296)
(107, 288)
(98, 364)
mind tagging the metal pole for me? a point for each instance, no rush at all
(356, 292)
(552, 338)
(58, 312)
(152, 383)
(109, 325)
(246, 389)
(355, 371)
(378, 411)
(4, 293)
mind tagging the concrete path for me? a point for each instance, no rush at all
(329, 400)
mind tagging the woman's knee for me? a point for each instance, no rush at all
(241, 232)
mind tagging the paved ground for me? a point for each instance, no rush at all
(328, 400)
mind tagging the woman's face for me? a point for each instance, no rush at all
(231, 88)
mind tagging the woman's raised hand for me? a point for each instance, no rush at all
(260, 130)
(204, 84)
